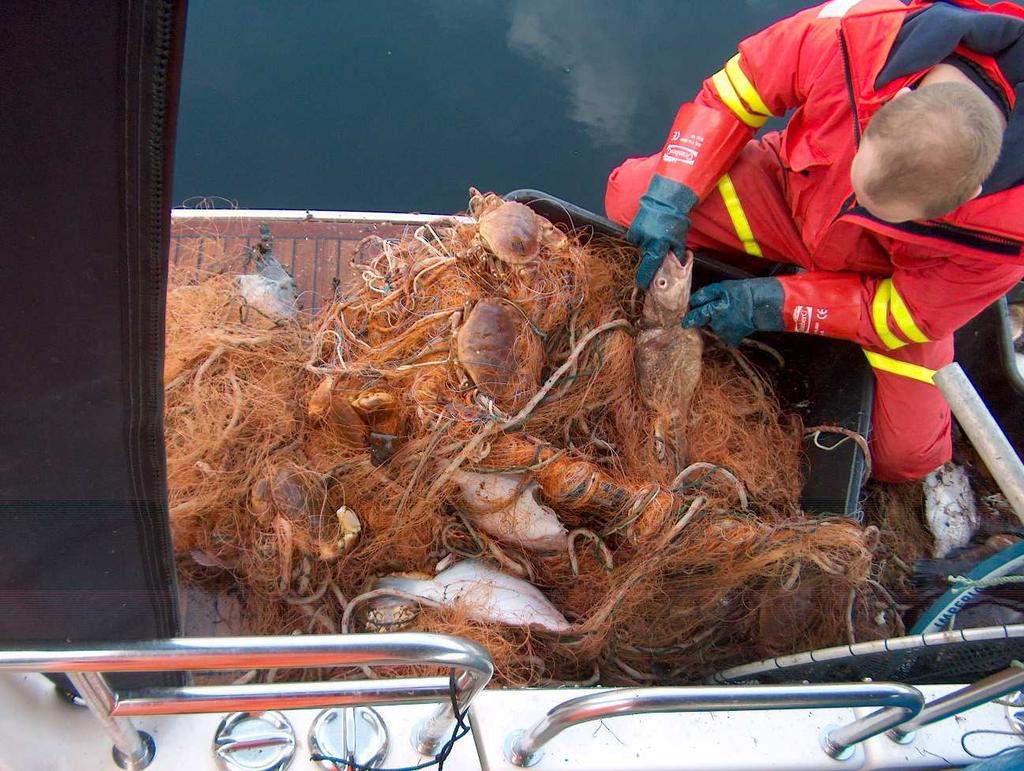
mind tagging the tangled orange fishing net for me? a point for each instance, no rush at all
(472, 406)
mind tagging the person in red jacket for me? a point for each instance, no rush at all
(887, 187)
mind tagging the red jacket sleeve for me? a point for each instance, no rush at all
(915, 305)
(771, 74)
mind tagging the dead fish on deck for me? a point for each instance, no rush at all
(949, 508)
(485, 593)
(506, 506)
(271, 289)
(668, 356)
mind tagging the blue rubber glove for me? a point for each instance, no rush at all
(660, 225)
(734, 309)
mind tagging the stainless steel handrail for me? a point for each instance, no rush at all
(131, 750)
(985, 434)
(974, 695)
(899, 702)
(224, 698)
(83, 663)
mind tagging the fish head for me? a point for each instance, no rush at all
(668, 297)
(273, 271)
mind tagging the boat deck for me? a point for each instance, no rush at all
(315, 247)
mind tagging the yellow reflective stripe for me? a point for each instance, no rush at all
(738, 216)
(901, 315)
(732, 100)
(880, 315)
(902, 368)
(745, 88)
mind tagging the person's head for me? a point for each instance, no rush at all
(926, 152)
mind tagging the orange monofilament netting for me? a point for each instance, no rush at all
(308, 457)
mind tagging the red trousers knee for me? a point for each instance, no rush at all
(753, 191)
(911, 423)
(748, 221)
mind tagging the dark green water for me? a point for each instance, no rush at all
(400, 106)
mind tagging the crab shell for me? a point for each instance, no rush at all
(392, 616)
(785, 612)
(511, 232)
(380, 410)
(280, 494)
(332, 409)
(499, 350)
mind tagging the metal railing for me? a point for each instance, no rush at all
(471, 664)
(899, 703)
(985, 690)
(985, 434)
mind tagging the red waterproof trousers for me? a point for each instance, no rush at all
(911, 423)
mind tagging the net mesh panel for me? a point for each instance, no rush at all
(942, 657)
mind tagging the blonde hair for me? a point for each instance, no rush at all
(935, 146)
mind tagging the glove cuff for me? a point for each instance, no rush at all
(827, 304)
(701, 146)
(670, 193)
(663, 215)
(767, 304)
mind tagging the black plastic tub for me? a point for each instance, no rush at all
(828, 382)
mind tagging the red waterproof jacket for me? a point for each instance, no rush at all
(880, 284)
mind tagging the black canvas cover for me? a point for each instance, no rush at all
(88, 95)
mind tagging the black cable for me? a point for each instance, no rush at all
(460, 730)
(963, 742)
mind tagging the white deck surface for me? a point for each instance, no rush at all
(39, 732)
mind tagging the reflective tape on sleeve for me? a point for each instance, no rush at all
(746, 89)
(728, 95)
(901, 368)
(901, 315)
(880, 315)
